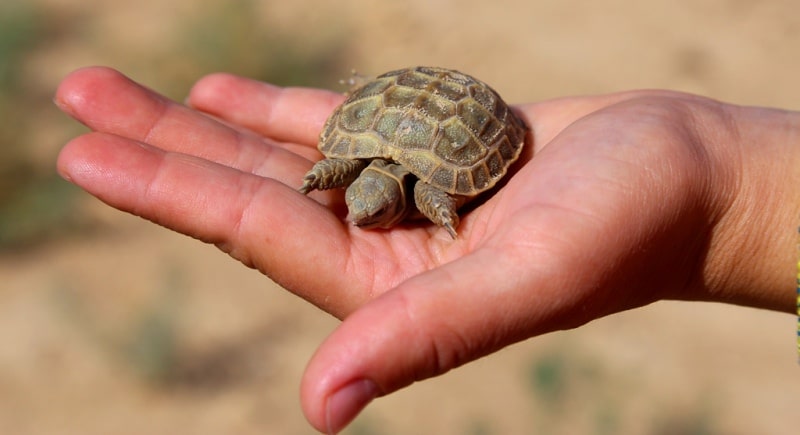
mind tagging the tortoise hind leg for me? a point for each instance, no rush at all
(330, 173)
(437, 206)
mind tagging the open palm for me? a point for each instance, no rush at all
(607, 216)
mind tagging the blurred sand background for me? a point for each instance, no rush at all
(110, 324)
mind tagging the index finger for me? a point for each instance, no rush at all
(293, 115)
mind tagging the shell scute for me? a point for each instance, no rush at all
(447, 128)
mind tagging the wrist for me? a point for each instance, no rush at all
(753, 253)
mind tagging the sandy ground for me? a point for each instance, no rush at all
(83, 319)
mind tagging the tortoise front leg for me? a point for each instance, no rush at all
(330, 173)
(437, 206)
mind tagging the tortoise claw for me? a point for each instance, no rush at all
(310, 182)
(449, 227)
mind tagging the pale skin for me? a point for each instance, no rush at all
(632, 198)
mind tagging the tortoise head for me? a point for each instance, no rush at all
(377, 198)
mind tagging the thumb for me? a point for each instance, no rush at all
(430, 324)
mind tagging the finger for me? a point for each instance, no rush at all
(109, 102)
(286, 114)
(427, 326)
(259, 221)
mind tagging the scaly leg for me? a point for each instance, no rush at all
(330, 173)
(437, 206)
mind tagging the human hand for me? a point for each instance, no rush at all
(631, 198)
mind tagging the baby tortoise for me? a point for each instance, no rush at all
(441, 133)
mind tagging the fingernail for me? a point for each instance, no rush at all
(345, 404)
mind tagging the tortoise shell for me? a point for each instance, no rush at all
(447, 128)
